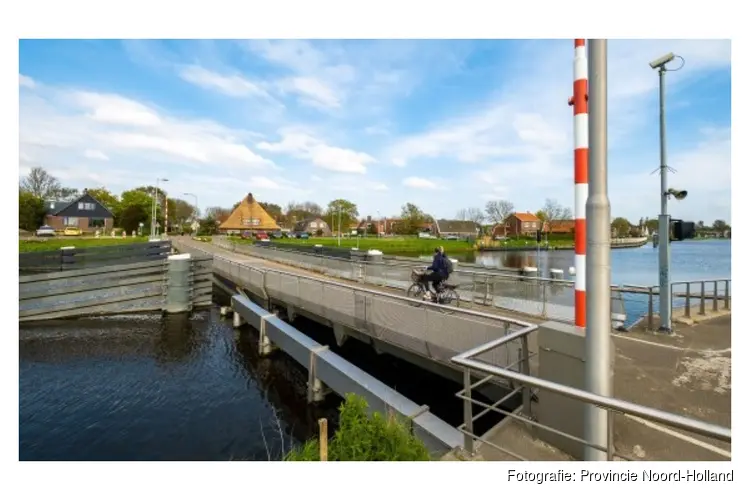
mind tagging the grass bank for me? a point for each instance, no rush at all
(364, 437)
(44, 245)
(393, 245)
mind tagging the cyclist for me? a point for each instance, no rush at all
(438, 272)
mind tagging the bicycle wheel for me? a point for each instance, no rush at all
(451, 298)
(415, 291)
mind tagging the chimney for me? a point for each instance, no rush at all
(85, 191)
(249, 197)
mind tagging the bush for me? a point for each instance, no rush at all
(364, 437)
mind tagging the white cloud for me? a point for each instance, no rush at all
(231, 85)
(74, 119)
(304, 146)
(25, 81)
(312, 90)
(419, 183)
(95, 154)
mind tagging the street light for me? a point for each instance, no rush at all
(665, 302)
(339, 224)
(153, 207)
(197, 212)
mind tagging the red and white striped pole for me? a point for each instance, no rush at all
(579, 101)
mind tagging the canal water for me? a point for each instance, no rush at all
(690, 260)
(183, 388)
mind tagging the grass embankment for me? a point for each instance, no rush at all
(44, 245)
(386, 245)
(364, 437)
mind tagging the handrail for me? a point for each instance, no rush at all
(469, 312)
(613, 404)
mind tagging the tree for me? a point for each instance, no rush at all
(300, 211)
(41, 184)
(553, 211)
(473, 214)
(180, 210)
(348, 213)
(137, 197)
(412, 219)
(499, 210)
(541, 215)
(720, 225)
(30, 210)
(216, 213)
(132, 216)
(621, 227)
(652, 225)
(103, 196)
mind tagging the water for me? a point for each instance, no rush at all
(690, 260)
(179, 388)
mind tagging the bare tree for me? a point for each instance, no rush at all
(553, 210)
(499, 210)
(41, 184)
(462, 214)
(475, 215)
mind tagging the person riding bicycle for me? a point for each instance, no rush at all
(438, 272)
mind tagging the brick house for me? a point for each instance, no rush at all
(85, 213)
(518, 224)
(312, 225)
(455, 228)
(564, 226)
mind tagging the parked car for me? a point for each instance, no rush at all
(277, 235)
(303, 236)
(261, 235)
(45, 231)
(246, 235)
(72, 231)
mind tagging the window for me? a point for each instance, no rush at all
(250, 222)
(96, 222)
(313, 225)
(85, 206)
(527, 224)
(70, 221)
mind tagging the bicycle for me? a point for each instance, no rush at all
(420, 289)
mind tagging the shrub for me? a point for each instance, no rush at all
(365, 437)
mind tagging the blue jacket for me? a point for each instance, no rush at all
(439, 265)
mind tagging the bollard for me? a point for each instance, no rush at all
(179, 273)
(650, 308)
(556, 274)
(530, 271)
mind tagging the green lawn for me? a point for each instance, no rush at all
(44, 245)
(389, 245)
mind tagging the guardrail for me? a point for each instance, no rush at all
(85, 257)
(546, 298)
(467, 362)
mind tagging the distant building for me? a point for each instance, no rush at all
(455, 228)
(518, 224)
(248, 216)
(314, 226)
(85, 212)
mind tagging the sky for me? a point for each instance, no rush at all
(444, 124)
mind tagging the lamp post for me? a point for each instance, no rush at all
(197, 212)
(598, 269)
(153, 207)
(665, 302)
(339, 206)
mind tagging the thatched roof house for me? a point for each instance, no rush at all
(249, 216)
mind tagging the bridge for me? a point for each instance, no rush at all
(530, 366)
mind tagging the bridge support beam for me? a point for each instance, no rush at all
(265, 347)
(562, 359)
(237, 320)
(316, 391)
(340, 333)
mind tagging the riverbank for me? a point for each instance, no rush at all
(56, 243)
(562, 245)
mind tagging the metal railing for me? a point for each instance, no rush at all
(528, 382)
(546, 298)
(385, 316)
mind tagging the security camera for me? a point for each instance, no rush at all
(678, 194)
(663, 60)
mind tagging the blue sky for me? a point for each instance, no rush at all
(443, 124)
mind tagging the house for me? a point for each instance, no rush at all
(248, 216)
(314, 226)
(518, 224)
(563, 226)
(85, 213)
(455, 228)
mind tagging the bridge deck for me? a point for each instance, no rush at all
(688, 373)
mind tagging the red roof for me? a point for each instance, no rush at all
(526, 217)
